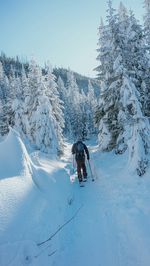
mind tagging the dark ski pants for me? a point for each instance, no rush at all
(81, 169)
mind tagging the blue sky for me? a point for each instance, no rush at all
(61, 31)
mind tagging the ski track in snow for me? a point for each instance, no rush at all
(112, 227)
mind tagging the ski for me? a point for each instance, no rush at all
(81, 184)
(84, 180)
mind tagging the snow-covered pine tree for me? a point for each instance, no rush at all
(1, 119)
(147, 21)
(56, 103)
(15, 93)
(21, 91)
(138, 142)
(73, 109)
(135, 133)
(5, 115)
(61, 89)
(104, 135)
(122, 12)
(140, 66)
(91, 108)
(107, 111)
(120, 109)
(40, 123)
(78, 107)
(62, 93)
(83, 119)
(146, 83)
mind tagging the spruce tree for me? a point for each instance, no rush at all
(56, 104)
(135, 133)
(147, 22)
(40, 123)
(6, 110)
(146, 83)
(73, 108)
(21, 92)
(62, 93)
(109, 51)
(120, 115)
(91, 104)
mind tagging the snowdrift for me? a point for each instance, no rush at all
(16, 162)
(14, 159)
(33, 200)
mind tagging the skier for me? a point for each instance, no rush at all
(79, 149)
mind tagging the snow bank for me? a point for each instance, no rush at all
(14, 158)
(33, 200)
(16, 162)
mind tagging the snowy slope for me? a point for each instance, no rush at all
(31, 203)
(105, 223)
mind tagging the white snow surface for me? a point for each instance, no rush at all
(105, 223)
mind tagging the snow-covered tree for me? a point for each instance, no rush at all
(122, 12)
(61, 89)
(146, 83)
(63, 96)
(135, 127)
(83, 116)
(39, 121)
(44, 135)
(91, 108)
(21, 91)
(147, 21)
(73, 110)
(78, 108)
(140, 65)
(56, 103)
(2, 132)
(122, 72)
(25, 90)
(106, 44)
(5, 116)
(110, 75)
(78, 119)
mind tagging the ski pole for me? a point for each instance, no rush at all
(91, 171)
(73, 162)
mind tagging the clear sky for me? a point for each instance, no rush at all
(65, 32)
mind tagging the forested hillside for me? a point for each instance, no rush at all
(65, 95)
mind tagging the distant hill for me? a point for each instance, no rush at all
(82, 81)
(16, 64)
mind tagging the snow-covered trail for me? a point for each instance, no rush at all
(110, 223)
(113, 225)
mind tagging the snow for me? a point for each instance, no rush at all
(105, 223)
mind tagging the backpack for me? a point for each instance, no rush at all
(79, 150)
